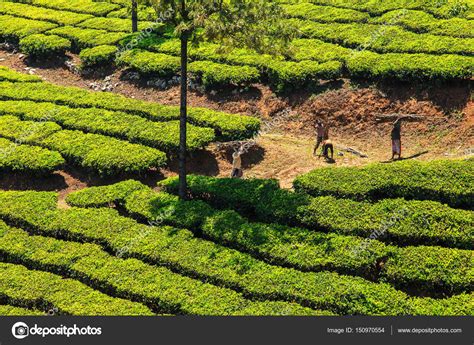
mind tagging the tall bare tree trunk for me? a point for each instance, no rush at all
(134, 16)
(183, 117)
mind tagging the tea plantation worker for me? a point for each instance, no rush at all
(396, 139)
(327, 146)
(321, 134)
(237, 164)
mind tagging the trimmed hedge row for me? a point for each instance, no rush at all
(289, 74)
(8, 310)
(317, 50)
(112, 24)
(207, 51)
(105, 155)
(86, 38)
(409, 67)
(7, 74)
(145, 13)
(282, 245)
(25, 158)
(406, 222)
(434, 268)
(446, 9)
(359, 63)
(39, 13)
(384, 39)
(325, 14)
(392, 220)
(370, 65)
(181, 251)
(413, 20)
(447, 181)
(98, 56)
(79, 6)
(228, 127)
(26, 132)
(14, 28)
(41, 46)
(421, 22)
(212, 74)
(103, 196)
(157, 287)
(150, 63)
(102, 154)
(42, 290)
(161, 135)
(302, 249)
(244, 68)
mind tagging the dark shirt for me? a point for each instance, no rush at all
(396, 132)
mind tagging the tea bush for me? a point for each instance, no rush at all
(38, 13)
(14, 28)
(7, 74)
(29, 159)
(161, 135)
(157, 287)
(101, 154)
(417, 222)
(103, 55)
(69, 296)
(446, 181)
(41, 46)
(228, 127)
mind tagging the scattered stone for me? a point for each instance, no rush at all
(30, 70)
(71, 66)
(94, 86)
(131, 75)
(176, 80)
(7, 46)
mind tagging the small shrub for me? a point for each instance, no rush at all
(44, 46)
(213, 74)
(98, 56)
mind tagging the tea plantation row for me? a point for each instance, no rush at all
(157, 287)
(180, 250)
(294, 247)
(102, 132)
(393, 41)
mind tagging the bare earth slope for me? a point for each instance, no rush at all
(284, 150)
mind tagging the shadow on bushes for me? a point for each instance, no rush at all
(201, 162)
(28, 181)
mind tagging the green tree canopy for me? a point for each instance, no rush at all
(254, 24)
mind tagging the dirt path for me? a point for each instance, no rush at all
(285, 150)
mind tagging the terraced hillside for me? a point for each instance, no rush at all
(102, 132)
(258, 250)
(409, 40)
(79, 237)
